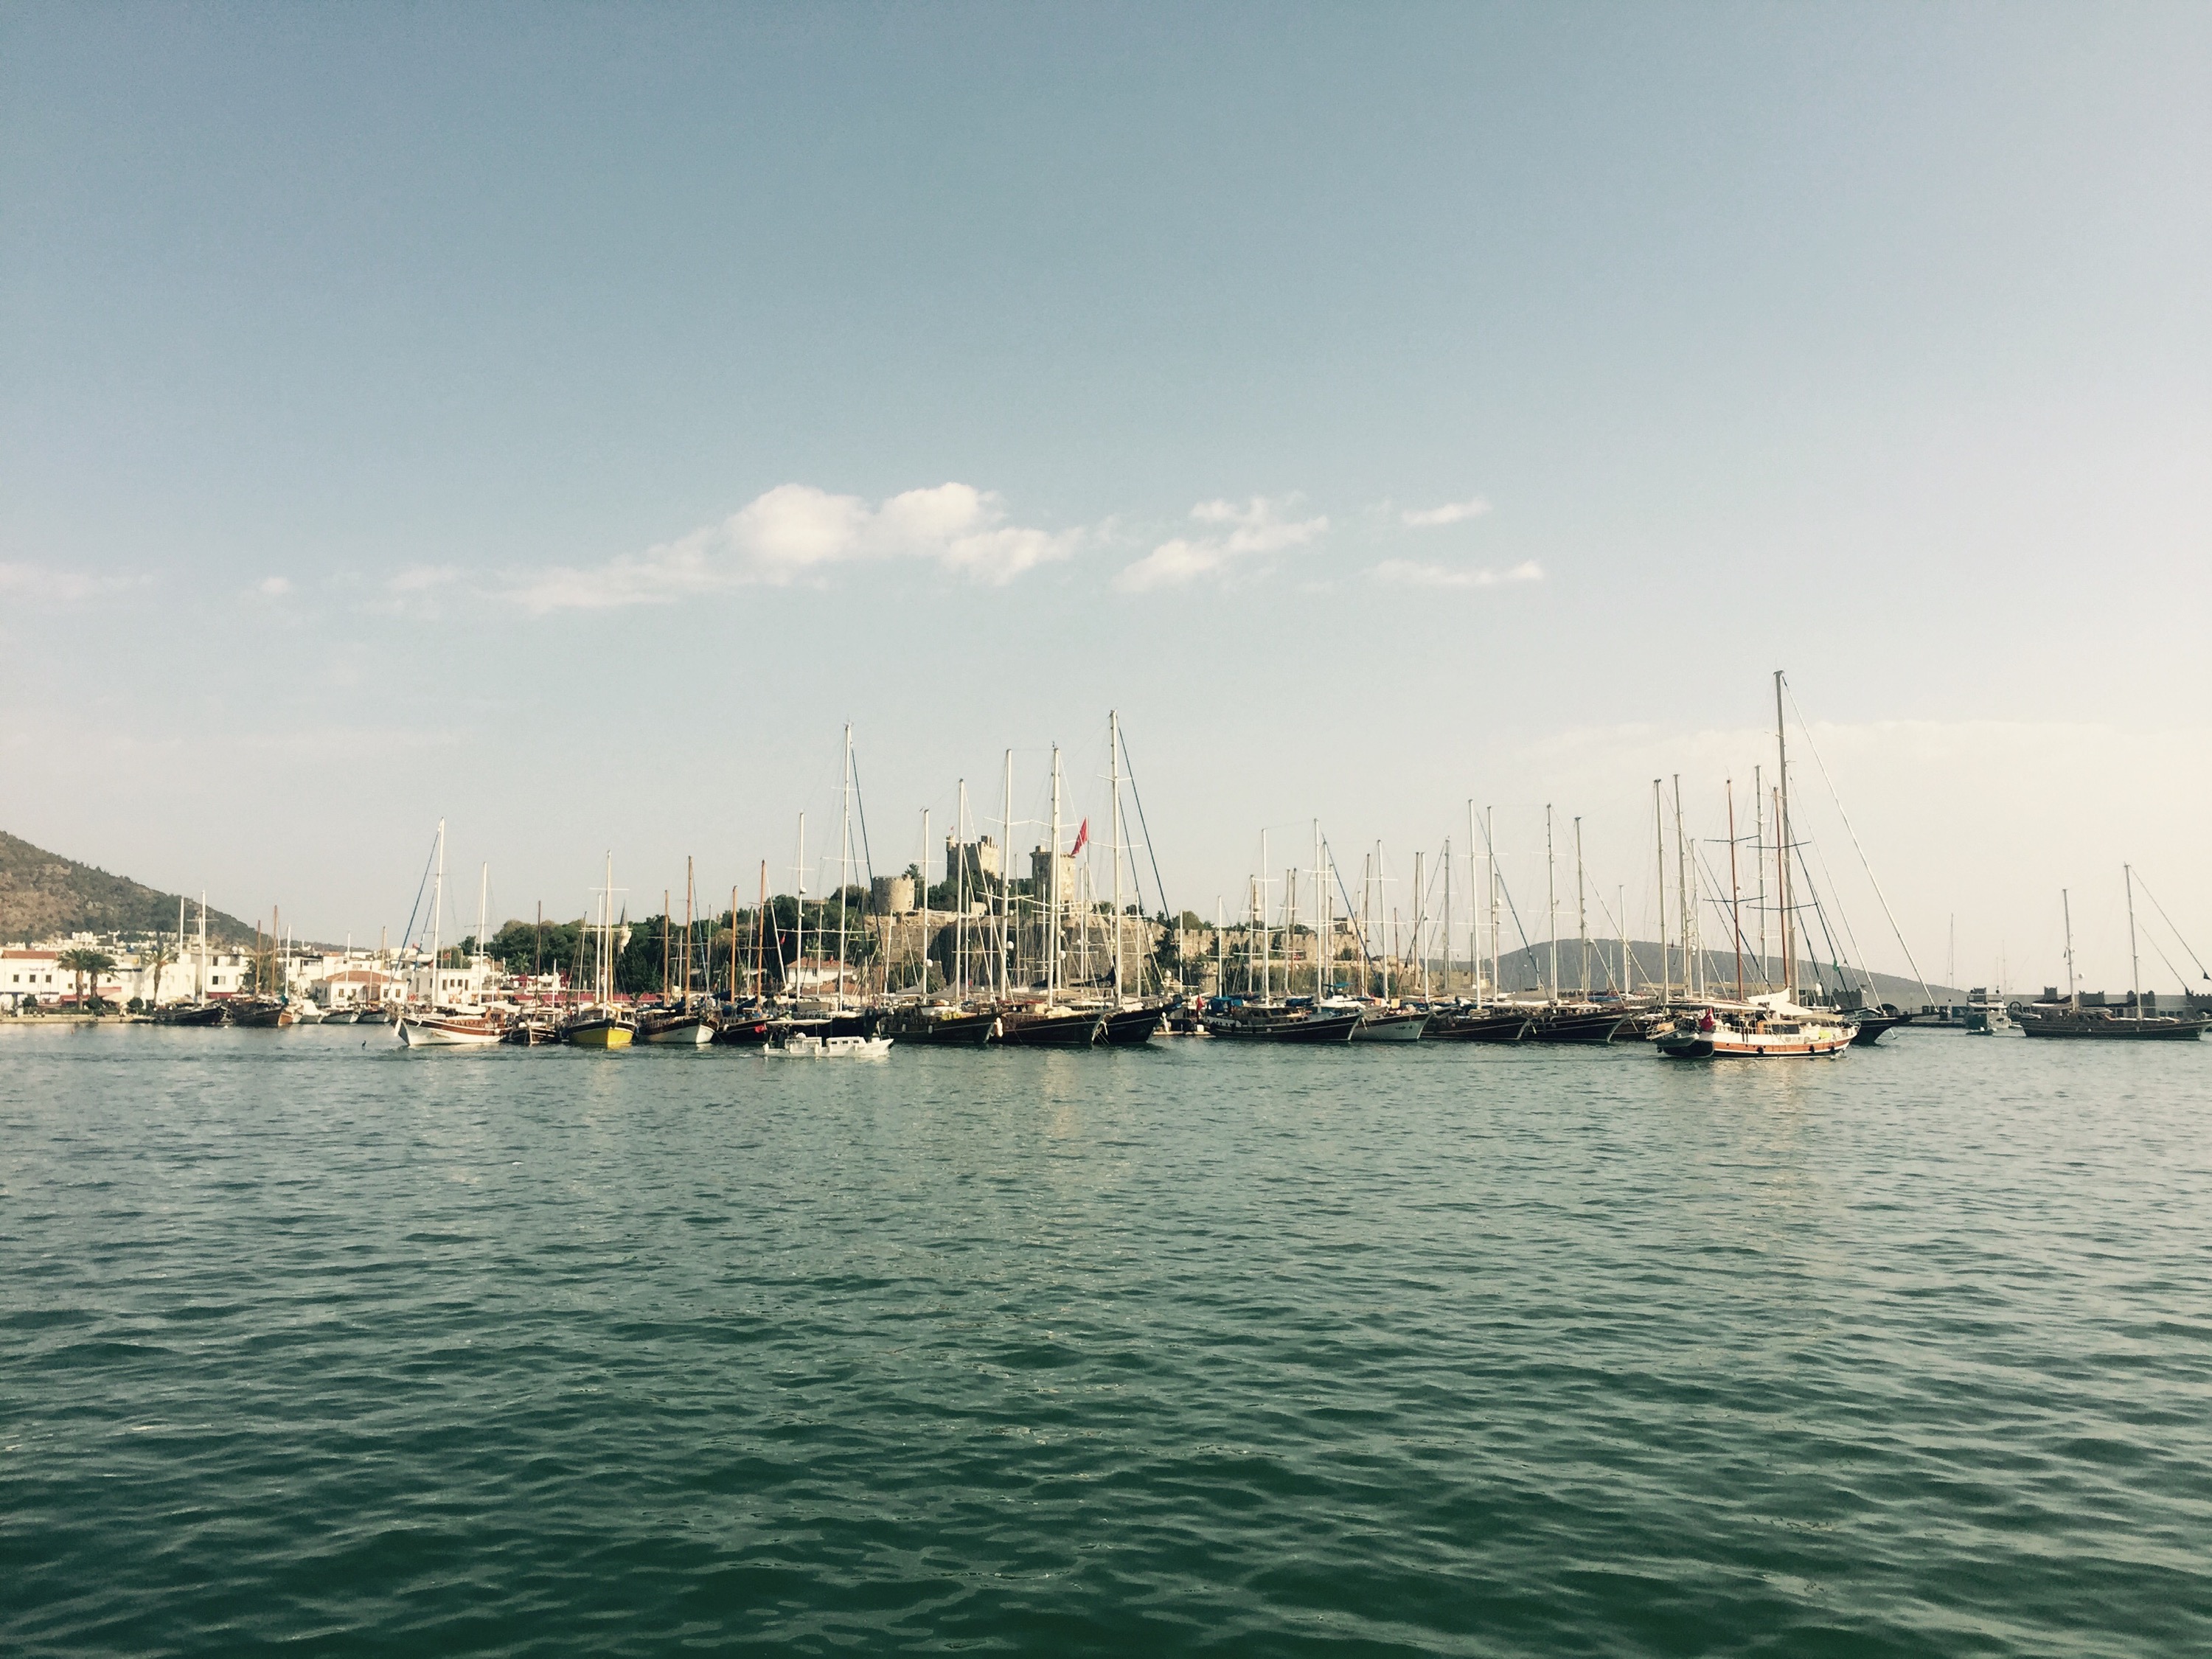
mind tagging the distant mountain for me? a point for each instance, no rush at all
(43, 895)
(1530, 968)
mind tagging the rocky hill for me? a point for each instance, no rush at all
(1527, 969)
(43, 894)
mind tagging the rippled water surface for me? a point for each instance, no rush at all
(1422, 1350)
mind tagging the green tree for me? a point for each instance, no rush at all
(83, 961)
(161, 955)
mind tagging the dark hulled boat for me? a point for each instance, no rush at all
(1255, 1023)
(1872, 1026)
(1476, 1024)
(191, 1013)
(2108, 1025)
(1576, 1022)
(746, 1028)
(1049, 1028)
(1132, 1028)
(946, 1028)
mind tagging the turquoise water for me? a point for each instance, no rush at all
(1410, 1350)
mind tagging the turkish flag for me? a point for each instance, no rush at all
(1082, 839)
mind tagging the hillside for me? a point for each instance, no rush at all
(1527, 969)
(43, 894)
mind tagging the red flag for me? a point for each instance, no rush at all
(1082, 839)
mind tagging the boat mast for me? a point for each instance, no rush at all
(1113, 761)
(1781, 837)
(1051, 889)
(799, 944)
(606, 956)
(437, 904)
(1582, 913)
(690, 901)
(1006, 881)
(1220, 949)
(2135, 963)
(1492, 858)
(1759, 861)
(1474, 914)
(200, 972)
(1420, 926)
(1627, 962)
(1260, 885)
(925, 911)
(664, 943)
(760, 938)
(844, 860)
(1735, 897)
(1446, 986)
(1659, 834)
(1683, 919)
(1551, 904)
(960, 898)
(1320, 910)
(2066, 913)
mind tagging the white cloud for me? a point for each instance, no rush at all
(422, 578)
(1257, 528)
(1408, 573)
(273, 588)
(795, 532)
(1428, 518)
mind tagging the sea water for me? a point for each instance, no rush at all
(310, 1341)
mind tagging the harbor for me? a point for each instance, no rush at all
(958, 952)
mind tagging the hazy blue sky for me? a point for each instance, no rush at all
(563, 419)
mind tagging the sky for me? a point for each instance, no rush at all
(563, 420)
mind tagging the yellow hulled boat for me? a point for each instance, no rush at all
(598, 1029)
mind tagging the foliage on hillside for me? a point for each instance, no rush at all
(43, 894)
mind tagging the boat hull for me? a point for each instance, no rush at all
(1309, 1029)
(1872, 1028)
(1577, 1025)
(743, 1033)
(946, 1032)
(597, 1034)
(188, 1013)
(1078, 1030)
(1130, 1028)
(430, 1031)
(1475, 1025)
(679, 1031)
(1404, 1027)
(2072, 1027)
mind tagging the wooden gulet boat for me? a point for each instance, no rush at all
(1771, 1027)
(601, 1025)
(2072, 1020)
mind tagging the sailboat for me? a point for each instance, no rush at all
(1485, 1018)
(2077, 1019)
(1051, 1023)
(432, 1026)
(679, 1023)
(1773, 1026)
(599, 1024)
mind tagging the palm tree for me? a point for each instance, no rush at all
(82, 960)
(157, 959)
